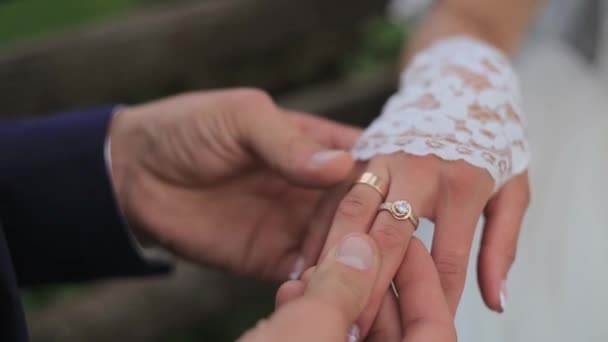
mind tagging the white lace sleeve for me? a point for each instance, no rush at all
(458, 100)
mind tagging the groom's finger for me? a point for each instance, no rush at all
(504, 216)
(335, 296)
(269, 133)
(318, 227)
(425, 313)
(329, 133)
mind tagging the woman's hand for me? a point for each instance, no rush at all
(453, 194)
(451, 135)
(228, 178)
(323, 306)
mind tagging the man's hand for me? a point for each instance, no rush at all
(228, 178)
(333, 298)
(324, 305)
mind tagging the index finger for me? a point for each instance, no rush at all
(425, 313)
(326, 132)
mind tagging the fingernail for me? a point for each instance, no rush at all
(321, 158)
(356, 253)
(353, 334)
(503, 295)
(298, 268)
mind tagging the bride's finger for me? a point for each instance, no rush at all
(504, 216)
(393, 235)
(318, 229)
(387, 326)
(458, 209)
(425, 315)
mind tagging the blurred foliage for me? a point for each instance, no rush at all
(24, 19)
(380, 45)
(28, 19)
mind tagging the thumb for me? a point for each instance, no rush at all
(345, 278)
(295, 155)
(334, 298)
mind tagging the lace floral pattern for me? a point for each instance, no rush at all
(458, 100)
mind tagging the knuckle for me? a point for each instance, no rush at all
(350, 290)
(339, 290)
(389, 234)
(461, 177)
(353, 207)
(350, 293)
(465, 176)
(493, 252)
(254, 97)
(452, 268)
(292, 146)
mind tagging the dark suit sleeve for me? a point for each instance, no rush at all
(57, 207)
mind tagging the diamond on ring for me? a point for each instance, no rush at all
(400, 210)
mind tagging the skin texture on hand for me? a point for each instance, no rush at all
(324, 304)
(227, 178)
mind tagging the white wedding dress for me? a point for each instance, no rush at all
(558, 287)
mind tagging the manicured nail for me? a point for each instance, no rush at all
(321, 158)
(353, 334)
(356, 253)
(503, 295)
(297, 269)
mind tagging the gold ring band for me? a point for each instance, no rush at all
(372, 180)
(400, 210)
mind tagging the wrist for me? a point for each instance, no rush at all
(462, 103)
(122, 164)
(116, 154)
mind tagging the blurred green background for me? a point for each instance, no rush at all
(28, 19)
